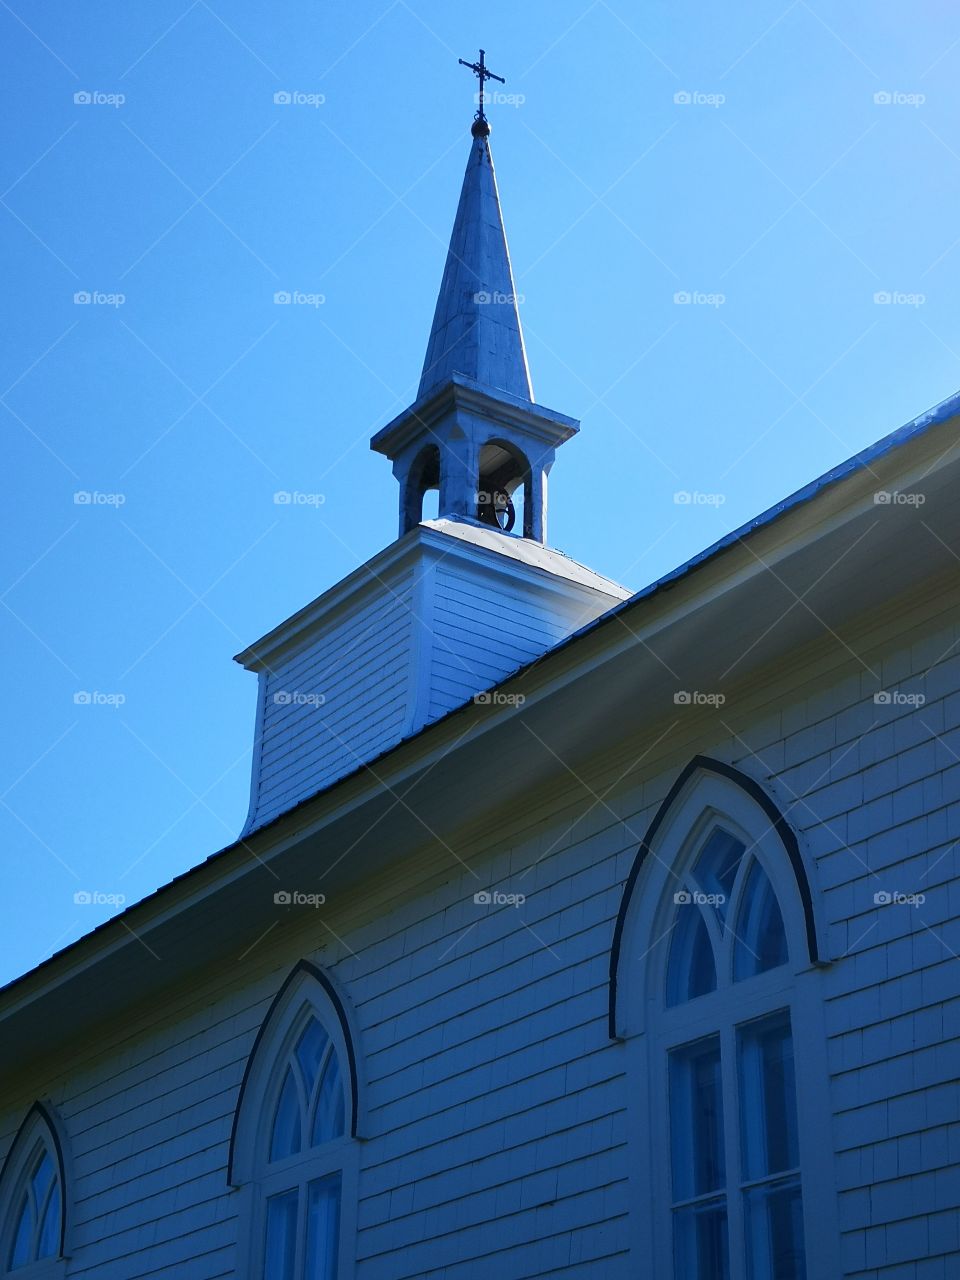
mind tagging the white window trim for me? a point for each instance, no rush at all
(41, 1123)
(650, 1029)
(253, 1178)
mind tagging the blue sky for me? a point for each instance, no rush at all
(781, 164)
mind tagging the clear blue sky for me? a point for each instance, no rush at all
(783, 185)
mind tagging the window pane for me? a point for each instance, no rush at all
(323, 1228)
(696, 1119)
(761, 942)
(22, 1240)
(700, 1241)
(285, 1138)
(774, 1232)
(690, 968)
(717, 868)
(328, 1121)
(768, 1102)
(280, 1251)
(310, 1049)
(49, 1244)
(42, 1178)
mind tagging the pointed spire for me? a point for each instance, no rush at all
(476, 327)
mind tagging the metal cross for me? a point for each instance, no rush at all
(479, 69)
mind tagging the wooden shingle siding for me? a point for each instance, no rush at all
(496, 1132)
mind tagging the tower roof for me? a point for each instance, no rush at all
(476, 327)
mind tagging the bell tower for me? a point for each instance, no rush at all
(456, 604)
(475, 433)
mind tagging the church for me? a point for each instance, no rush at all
(572, 932)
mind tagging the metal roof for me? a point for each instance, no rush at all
(476, 326)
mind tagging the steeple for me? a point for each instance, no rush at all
(474, 432)
(476, 326)
(455, 603)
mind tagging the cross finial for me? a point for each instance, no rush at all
(481, 126)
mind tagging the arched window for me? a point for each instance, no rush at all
(32, 1194)
(720, 1006)
(293, 1150)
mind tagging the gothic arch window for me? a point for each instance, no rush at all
(293, 1151)
(720, 1006)
(32, 1200)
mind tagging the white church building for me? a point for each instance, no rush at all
(572, 933)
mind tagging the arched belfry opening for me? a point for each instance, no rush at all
(423, 480)
(503, 493)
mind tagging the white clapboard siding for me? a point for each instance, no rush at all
(410, 636)
(496, 1105)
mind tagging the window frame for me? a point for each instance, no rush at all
(651, 1028)
(306, 993)
(40, 1127)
